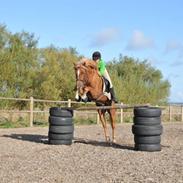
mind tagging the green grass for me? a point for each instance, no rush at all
(41, 123)
(17, 124)
(22, 123)
(82, 121)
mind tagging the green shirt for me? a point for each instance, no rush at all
(101, 66)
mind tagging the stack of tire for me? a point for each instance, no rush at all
(147, 128)
(61, 127)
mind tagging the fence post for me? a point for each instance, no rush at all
(31, 111)
(170, 113)
(121, 114)
(69, 102)
(181, 113)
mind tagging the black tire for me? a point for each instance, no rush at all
(60, 142)
(57, 121)
(147, 130)
(148, 147)
(55, 136)
(147, 112)
(61, 129)
(147, 121)
(61, 112)
(147, 139)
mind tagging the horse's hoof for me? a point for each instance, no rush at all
(114, 141)
(107, 139)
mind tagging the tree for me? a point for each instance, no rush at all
(138, 82)
(48, 73)
(18, 59)
(56, 78)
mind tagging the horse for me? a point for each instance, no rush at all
(89, 84)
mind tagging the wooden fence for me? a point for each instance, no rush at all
(170, 113)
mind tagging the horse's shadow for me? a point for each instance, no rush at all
(29, 137)
(103, 144)
(43, 139)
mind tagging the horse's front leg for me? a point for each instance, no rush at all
(104, 124)
(112, 114)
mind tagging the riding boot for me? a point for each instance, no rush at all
(113, 96)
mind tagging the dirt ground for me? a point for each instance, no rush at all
(25, 156)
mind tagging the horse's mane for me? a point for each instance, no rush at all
(88, 63)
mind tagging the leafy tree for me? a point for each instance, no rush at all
(18, 59)
(138, 82)
(56, 78)
(48, 73)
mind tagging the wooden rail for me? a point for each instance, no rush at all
(120, 106)
(84, 110)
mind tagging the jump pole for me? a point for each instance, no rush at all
(111, 107)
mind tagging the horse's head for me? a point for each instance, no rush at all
(85, 71)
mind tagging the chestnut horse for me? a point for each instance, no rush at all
(90, 85)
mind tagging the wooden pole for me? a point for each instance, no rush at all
(10, 98)
(181, 113)
(110, 107)
(121, 114)
(69, 102)
(170, 113)
(31, 111)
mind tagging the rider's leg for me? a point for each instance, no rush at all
(113, 96)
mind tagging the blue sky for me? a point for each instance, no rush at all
(143, 29)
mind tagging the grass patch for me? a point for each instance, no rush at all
(86, 121)
(40, 123)
(17, 124)
(22, 123)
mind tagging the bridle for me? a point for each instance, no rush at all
(81, 83)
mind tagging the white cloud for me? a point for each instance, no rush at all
(105, 37)
(139, 41)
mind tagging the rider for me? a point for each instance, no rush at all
(96, 56)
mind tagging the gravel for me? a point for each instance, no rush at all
(25, 156)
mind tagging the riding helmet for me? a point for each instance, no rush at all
(96, 55)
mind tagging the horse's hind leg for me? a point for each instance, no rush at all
(112, 114)
(104, 124)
